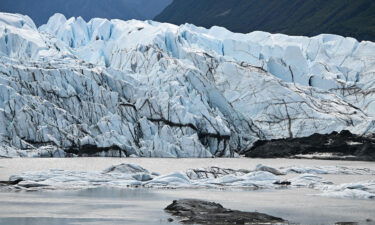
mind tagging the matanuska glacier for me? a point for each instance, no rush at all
(149, 89)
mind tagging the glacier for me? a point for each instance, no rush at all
(148, 89)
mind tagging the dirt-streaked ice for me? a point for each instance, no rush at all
(131, 175)
(142, 88)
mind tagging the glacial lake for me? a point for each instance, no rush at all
(145, 206)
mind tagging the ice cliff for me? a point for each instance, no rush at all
(142, 88)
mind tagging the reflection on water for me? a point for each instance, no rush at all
(145, 206)
(60, 221)
(91, 206)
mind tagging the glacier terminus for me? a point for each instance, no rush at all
(149, 89)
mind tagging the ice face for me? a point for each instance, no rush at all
(142, 88)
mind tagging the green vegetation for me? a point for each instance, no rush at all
(354, 18)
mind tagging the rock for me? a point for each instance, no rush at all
(346, 223)
(283, 183)
(27, 184)
(343, 145)
(10, 182)
(204, 212)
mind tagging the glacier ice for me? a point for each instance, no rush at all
(142, 88)
(358, 190)
(340, 170)
(132, 176)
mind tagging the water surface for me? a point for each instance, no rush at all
(145, 206)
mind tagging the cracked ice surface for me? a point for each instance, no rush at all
(328, 170)
(142, 88)
(131, 175)
(359, 190)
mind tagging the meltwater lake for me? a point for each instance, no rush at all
(105, 205)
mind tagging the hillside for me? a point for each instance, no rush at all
(293, 17)
(41, 10)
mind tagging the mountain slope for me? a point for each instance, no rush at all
(293, 17)
(122, 88)
(41, 10)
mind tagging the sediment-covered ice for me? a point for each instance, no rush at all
(142, 88)
(359, 190)
(308, 180)
(328, 170)
(132, 176)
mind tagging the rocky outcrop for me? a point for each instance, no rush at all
(203, 212)
(343, 145)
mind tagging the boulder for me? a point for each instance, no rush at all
(204, 212)
(343, 145)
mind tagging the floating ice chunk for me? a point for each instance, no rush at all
(308, 180)
(358, 190)
(328, 170)
(131, 175)
(137, 172)
(258, 179)
(272, 170)
(126, 168)
(261, 176)
(142, 177)
(213, 172)
(349, 193)
(175, 179)
(301, 170)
